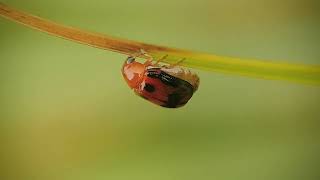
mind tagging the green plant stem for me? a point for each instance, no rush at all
(299, 73)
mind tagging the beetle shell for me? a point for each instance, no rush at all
(169, 87)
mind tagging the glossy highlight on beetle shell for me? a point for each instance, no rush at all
(167, 86)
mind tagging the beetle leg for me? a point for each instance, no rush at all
(161, 59)
(149, 58)
(142, 52)
(148, 61)
(137, 54)
(177, 63)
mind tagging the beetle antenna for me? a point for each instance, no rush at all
(143, 52)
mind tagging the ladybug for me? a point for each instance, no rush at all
(168, 86)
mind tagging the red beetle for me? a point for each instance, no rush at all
(168, 86)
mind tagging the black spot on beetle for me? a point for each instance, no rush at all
(149, 87)
(173, 100)
(165, 78)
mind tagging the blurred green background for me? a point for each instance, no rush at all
(66, 113)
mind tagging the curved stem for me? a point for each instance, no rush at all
(299, 73)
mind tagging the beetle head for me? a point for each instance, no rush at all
(132, 72)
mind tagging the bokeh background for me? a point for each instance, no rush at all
(67, 114)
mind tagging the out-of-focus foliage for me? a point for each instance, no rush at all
(66, 112)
